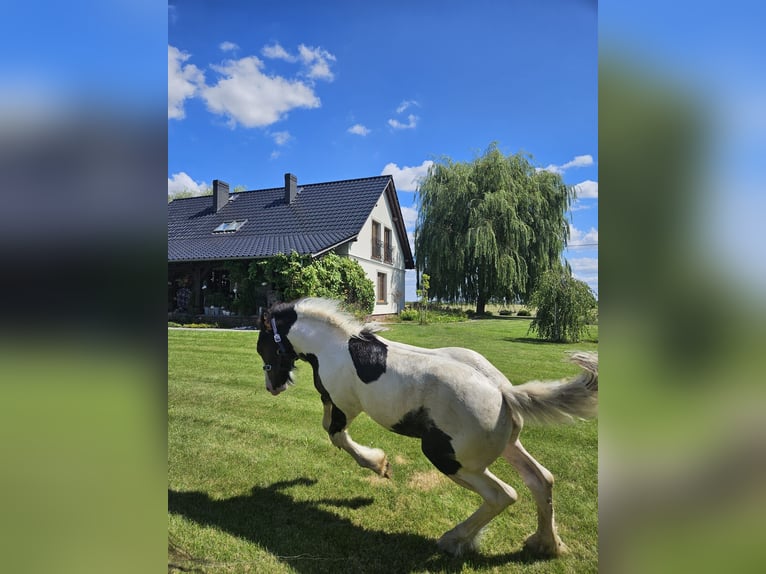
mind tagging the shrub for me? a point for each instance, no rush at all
(505, 312)
(331, 276)
(444, 314)
(563, 304)
(409, 315)
(523, 313)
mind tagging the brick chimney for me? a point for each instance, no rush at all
(220, 194)
(291, 188)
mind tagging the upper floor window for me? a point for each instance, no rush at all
(377, 244)
(388, 246)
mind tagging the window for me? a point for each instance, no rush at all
(231, 226)
(377, 244)
(382, 284)
(388, 248)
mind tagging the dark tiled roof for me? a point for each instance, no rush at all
(321, 216)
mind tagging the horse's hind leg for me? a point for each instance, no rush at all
(497, 496)
(539, 480)
(335, 422)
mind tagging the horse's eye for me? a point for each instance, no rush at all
(266, 367)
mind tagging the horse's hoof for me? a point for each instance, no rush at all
(547, 546)
(453, 545)
(385, 469)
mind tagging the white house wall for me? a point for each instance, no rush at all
(361, 251)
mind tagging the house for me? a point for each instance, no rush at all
(356, 218)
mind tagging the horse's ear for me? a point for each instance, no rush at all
(265, 321)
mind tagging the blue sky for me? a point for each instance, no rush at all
(340, 90)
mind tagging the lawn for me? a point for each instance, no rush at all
(254, 484)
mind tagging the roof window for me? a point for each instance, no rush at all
(229, 227)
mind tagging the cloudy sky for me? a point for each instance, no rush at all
(351, 89)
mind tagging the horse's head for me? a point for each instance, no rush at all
(277, 352)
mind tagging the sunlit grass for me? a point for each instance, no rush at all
(255, 485)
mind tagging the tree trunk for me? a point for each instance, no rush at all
(481, 298)
(481, 303)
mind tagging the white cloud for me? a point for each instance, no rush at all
(578, 238)
(397, 125)
(587, 189)
(184, 81)
(281, 138)
(358, 129)
(586, 269)
(228, 46)
(579, 206)
(406, 104)
(584, 265)
(410, 215)
(277, 52)
(317, 61)
(181, 182)
(407, 178)
(578, 161)
(249, 97)
(243, 92)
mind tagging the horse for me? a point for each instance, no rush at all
(464, 410)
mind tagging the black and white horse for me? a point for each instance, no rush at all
(464, 411)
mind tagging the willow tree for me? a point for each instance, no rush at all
(489, 228)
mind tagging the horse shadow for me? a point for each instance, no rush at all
(311, 538)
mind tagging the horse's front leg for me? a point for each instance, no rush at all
(335, 422)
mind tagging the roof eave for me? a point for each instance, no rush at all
(335, 246)
(409, 260)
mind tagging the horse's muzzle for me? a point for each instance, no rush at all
(272, 390)
(275, 392)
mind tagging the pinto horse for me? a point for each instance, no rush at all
(464, 411)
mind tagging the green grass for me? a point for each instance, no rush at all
(254, 484)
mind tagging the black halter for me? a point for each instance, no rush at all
(285, 358)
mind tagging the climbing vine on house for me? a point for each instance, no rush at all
(295, 276)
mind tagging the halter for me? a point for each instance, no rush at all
(282, 353)
(277, 336)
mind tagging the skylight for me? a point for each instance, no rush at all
(229, 227)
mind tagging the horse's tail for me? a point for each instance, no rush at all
(558, 401)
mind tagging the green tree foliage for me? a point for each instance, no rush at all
(332, 276)
(487, 229)
(425, 283)
(563, 306)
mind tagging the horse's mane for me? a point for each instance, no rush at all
(330, 311)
